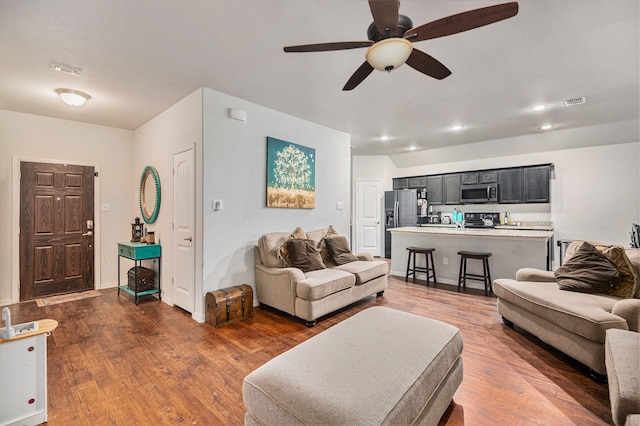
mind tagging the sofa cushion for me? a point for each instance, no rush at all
(365, 271)
(338, 248)
(268, 246)
(588, 315)
(587, 271)
(323, 282)
(303, 255)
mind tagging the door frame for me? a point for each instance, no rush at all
(15, 220)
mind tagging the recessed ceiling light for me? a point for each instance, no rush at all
(413, 148)
(546, 127)
(384, 138)
(540, 107)
(457, 127)
(72, 97)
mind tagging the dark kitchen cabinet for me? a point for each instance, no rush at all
(400, 183)
(417, 182)
(470, 178)
(452, 189)
(434, 189)
(510, 186)
(536, 184)
(489, 176)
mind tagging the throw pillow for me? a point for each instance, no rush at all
(303, 255)
(338, 248)
(331, 232)
(626, 283)
(283, 252)
(587, 271)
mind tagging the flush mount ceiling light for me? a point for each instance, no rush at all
(540, 107)
(546, 127)
(389, 54)
(72, 97)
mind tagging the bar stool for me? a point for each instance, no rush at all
(464, 275)
(428, 256)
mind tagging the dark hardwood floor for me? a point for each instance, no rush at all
(113, 363)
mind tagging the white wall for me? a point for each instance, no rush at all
(155, 142)
(595, 190)
(234, 157)
(37, 138)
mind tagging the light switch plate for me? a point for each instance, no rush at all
(105, 207)
(217, 205)
(340, 205)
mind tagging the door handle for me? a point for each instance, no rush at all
(188, 239)
(88, 234)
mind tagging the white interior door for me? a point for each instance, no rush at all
(368, 213)
(183, 279)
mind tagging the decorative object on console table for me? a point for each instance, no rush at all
(291, 175)
(228, 305)
(140, 279)
(138, 252)
(137, 230)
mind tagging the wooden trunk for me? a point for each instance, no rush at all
(145, 276)
(229, 305)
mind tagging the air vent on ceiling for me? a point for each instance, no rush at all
(574, 101)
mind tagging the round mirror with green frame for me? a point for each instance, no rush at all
(150, 194)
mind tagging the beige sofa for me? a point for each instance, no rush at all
(572, 322)
(311, 295)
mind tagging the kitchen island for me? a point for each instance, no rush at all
(511, 249)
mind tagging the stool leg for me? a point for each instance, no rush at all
(433, 268)
(464, 276)
(489, 277)
(414, 267)
(460, 273)
(406, 278)
(426, 266)
(484, 275)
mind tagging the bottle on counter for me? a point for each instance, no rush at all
(507, 219)
(454, 216)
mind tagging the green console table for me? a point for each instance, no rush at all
(139, 252)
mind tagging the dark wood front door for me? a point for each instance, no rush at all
(56, 229)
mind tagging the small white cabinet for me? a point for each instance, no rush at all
(23, 373)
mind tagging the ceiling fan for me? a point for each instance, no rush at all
(391, 37)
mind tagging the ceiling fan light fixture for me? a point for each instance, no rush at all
(73, 97)
(389, 54)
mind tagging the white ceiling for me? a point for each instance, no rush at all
(139, 57)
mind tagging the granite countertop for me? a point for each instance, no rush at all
(499, 232)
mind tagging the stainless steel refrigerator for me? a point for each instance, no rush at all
(401, 209)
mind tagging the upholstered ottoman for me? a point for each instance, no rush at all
(380, 366)
(622, 357)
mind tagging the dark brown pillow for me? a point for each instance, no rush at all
(588, 271)
(338, 248)
(303, 255)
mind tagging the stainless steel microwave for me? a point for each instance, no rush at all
(476, 194)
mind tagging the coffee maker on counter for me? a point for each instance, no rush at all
(432, 218)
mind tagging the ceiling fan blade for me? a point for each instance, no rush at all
(325, 47)
(385, 15)
(358, 76)
(462, 22)
(427, 64)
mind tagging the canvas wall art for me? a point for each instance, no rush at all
(291, 175)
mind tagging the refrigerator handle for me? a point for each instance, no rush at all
(396, 210)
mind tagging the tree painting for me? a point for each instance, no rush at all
(290, 175)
